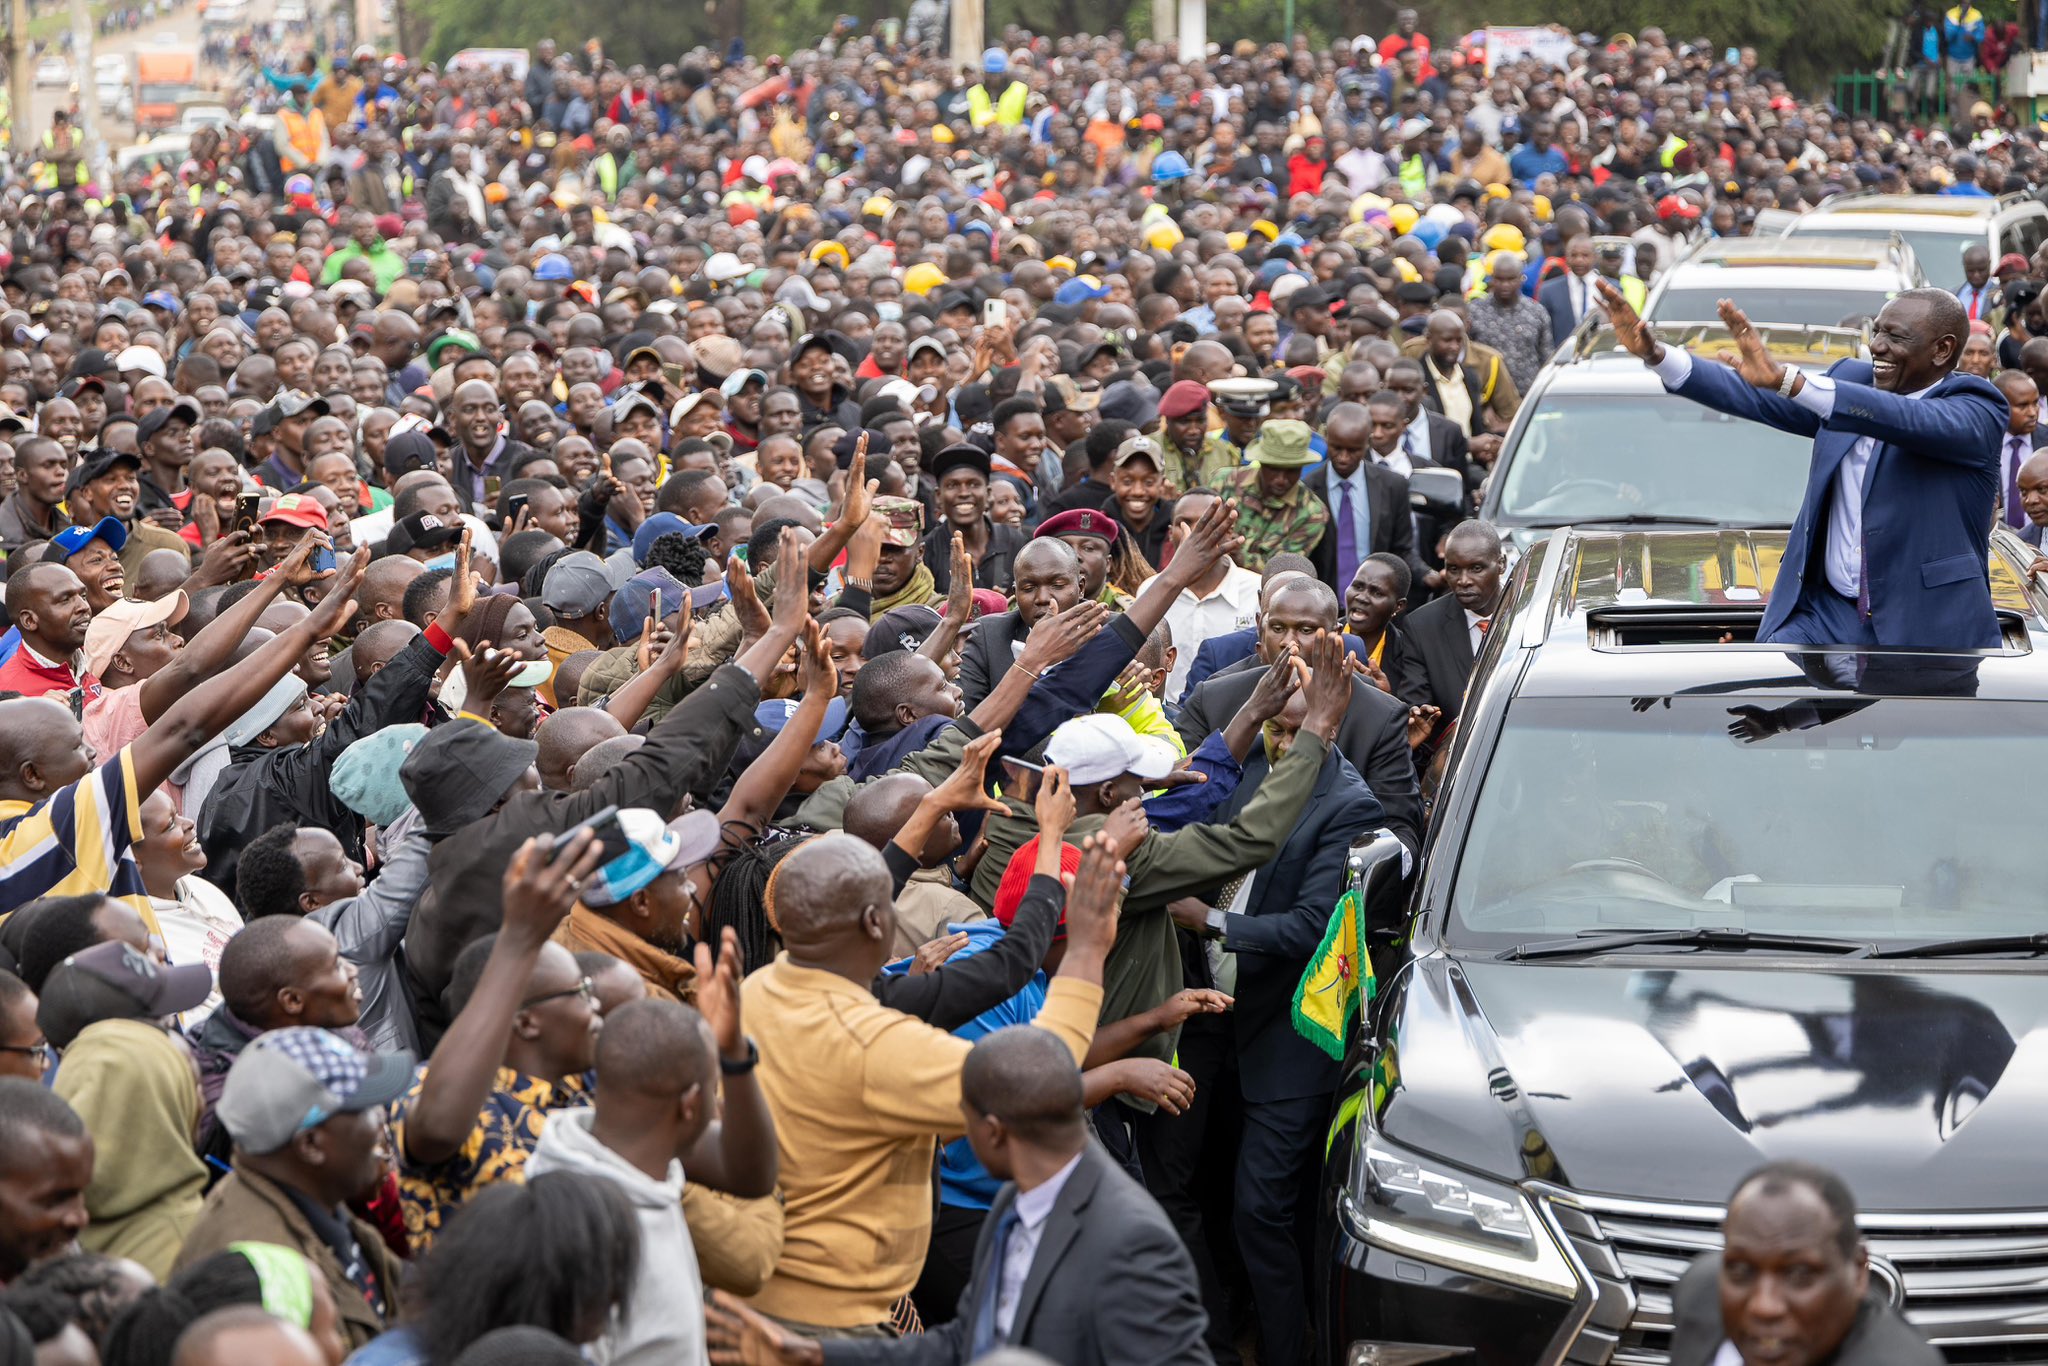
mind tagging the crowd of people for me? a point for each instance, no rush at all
(851, 610)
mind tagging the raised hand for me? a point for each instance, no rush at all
(1093, 898)
(1055, 638)
(1126, 827)
(1054, 804)
(746, 603)
(792, 583)
(1213, 537)
(228, 557)
(860, 490)
(718, 993)
(960, 592)
(966, 787)
(1629, 328)
(538, 893)
(339, 604)
(461, 588)
(1328, 688)
(485, 674)
(1754, 362)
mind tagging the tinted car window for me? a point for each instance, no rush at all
(1594, 456)
(1833, 815)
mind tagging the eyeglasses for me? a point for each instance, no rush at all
(582, 988)
(38, 1052)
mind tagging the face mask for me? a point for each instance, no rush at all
(889, 311)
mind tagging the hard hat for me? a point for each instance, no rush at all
(923, 278)
(1169, 165)
(1403, 217)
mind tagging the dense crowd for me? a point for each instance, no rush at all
(710, 712)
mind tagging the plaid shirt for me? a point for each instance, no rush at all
(1293, 522)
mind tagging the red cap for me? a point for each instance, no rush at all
(1017, 876)
(300, 510)
(1151, 123)
(1182, 397)
(1080, 522)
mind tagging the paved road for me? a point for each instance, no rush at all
(181, 27)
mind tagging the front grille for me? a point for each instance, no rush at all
(1975, 1284)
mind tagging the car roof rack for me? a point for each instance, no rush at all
(1806, 344)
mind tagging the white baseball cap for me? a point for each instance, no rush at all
(1098, 747)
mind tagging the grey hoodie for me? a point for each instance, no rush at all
(663, 1324)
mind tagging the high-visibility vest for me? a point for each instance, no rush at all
(301, 132)
(1006, 109)
(1414, 177)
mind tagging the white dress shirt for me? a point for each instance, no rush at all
(1579, 288)
(1472, 631)
(1413, 442)
(1843, 556)
(1192, 619)
(1033, 1207)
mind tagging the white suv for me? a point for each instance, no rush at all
(1936, 226)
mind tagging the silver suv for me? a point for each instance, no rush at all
(1936, 226)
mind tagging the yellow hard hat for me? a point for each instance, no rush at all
(941, 133)
(1503, 236)
(1164, 235)
(1496, 190)
(1065, 263)
(1266, 229)
(821, 250)
(1403, 217)
(1236, 240)
(923, 278)
(1405, 268)
(1540, 206)
(880, 205)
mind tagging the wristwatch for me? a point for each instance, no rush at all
(730, 1068)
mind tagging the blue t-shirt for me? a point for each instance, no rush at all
(1527, 163)
(963, 1181)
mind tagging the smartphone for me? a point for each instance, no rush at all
(995, 313)
(323, 559)
(247, 508)
(611, 836)
(1023, 779)
(513, 507)
(416, 269)
(491, 487)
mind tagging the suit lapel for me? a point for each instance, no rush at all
(1062, 1227)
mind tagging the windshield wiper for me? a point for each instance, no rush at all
(1702, 937)
(1964, 948)
(1634, 519)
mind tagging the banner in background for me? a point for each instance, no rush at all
(1512, 44)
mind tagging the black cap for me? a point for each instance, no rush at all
(900, 628)
(116, 981)
(964, 455)
(1415, 292)
(156, 419)
(422, 531)
(955, 298)
(93, 464)
(91, 361)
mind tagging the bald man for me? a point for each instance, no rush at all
(243, 1334)
(1120, 1286)
(382, 596)
(861, 1092)
(567, 736)
(375, 647)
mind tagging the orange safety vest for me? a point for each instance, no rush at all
(300, 131)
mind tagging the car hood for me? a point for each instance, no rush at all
(1925, 1086)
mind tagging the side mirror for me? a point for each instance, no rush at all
(1436, 489)
(1374, 859)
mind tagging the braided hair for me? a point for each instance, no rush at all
(743, 896)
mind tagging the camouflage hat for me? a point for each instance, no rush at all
(1281, 445)
(905, 518)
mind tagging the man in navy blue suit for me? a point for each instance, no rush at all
(1892, 542)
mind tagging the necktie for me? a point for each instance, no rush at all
(2016, 454)
(985, 1335)
(1347, 535)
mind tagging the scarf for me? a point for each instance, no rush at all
(921, 589)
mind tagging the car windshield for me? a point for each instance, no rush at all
(1821, 307)
(1842, 816)
(1939, 251)
(1589, 457)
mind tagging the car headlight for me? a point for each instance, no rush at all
(1415, 1207)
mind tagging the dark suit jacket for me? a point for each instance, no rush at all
(1284, 920)
(1373, 736)
(1555, 296)
(1439, 637)
(1389, 520)
(1403, 666)
(1234, 652)
(987, 656)
(1926, 498)
(2030, 533)
(1110, 1284)
(1878, 1337)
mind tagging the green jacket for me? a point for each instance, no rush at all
(1144, 966)
(386, 263)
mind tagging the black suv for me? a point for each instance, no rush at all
(1688, 906)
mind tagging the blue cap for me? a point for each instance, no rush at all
(995, 61)
(553, 266)
(662, 524)
(629, 605)
(652, 848)
(1079, 291)
(73, 539)
(774, 714)
(158, 298)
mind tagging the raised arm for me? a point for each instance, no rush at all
(853, 511)
(206, 710)
(737, 1153)
(215, 644)
(538, 895)
(1713, 386)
